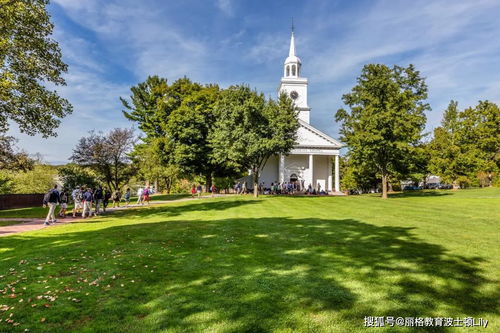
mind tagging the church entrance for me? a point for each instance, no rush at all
(295, 183)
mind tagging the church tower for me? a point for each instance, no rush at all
(293, 84)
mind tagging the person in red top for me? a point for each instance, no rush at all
(193, 191)
(146, 194)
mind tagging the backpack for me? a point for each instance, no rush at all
(46, 198)
(53, 196)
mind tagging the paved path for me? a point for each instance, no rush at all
(29, 224)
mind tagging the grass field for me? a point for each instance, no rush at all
(272, 264)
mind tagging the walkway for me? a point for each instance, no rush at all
(30, 224)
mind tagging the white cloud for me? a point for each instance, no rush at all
(226, 6)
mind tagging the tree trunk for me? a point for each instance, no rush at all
(384, 186)
(255, 175)
(208, 181)
(167, 185)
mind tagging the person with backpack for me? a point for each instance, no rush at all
(116, 198)
(87, 203)
(64, 204)
(51, 199)
(105, 201)
(98, 199)
(77, 195)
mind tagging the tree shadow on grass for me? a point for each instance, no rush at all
(425, 193)
(169, 210)
(256, 275)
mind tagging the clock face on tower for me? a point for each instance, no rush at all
(294, 95)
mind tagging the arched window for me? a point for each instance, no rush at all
(287, 70)
(293, 70)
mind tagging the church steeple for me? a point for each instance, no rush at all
(292, 62)
(293, 84)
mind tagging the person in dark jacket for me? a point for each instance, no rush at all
(98, 199)
(88, 197)
(105, 201)
(51, 200)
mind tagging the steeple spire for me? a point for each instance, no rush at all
(292, 62)
(291, 53)
(292, 42)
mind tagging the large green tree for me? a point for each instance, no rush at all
(467, 144)
(250, 129)
(181, 115)
(447, 158)
(29, 60)
(386, 119)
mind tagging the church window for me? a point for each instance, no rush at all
(287, 70)
(293, 70)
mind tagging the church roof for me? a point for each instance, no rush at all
(309, 136)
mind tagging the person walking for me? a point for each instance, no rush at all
(145, 195)
(77, 196)
(140, 192)
(214, 189)
(98, 199)
(127, 197)
(193, 191)
(199, 189)
(244, 188)
(105, 200)
(64, 204)
(51, 199)
(87, 203)
(116, 198)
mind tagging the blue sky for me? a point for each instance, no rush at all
(114, 44)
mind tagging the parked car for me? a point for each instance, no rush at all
(411, 188)
(445, 186)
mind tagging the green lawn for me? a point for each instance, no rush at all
(273, 264)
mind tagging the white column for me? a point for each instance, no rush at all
(330, 174)
(337, 174)
(282, 168)
(311, 170)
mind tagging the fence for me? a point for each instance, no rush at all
(8, 201)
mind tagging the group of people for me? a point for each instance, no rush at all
(86, 199)
(143, 195)
(281, 188)
(198, 190)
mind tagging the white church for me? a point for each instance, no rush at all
(315, 157)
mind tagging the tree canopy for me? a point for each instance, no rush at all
(466, 147)
(107, 154)
(250, 129)
(29, 60)
(386, 119)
